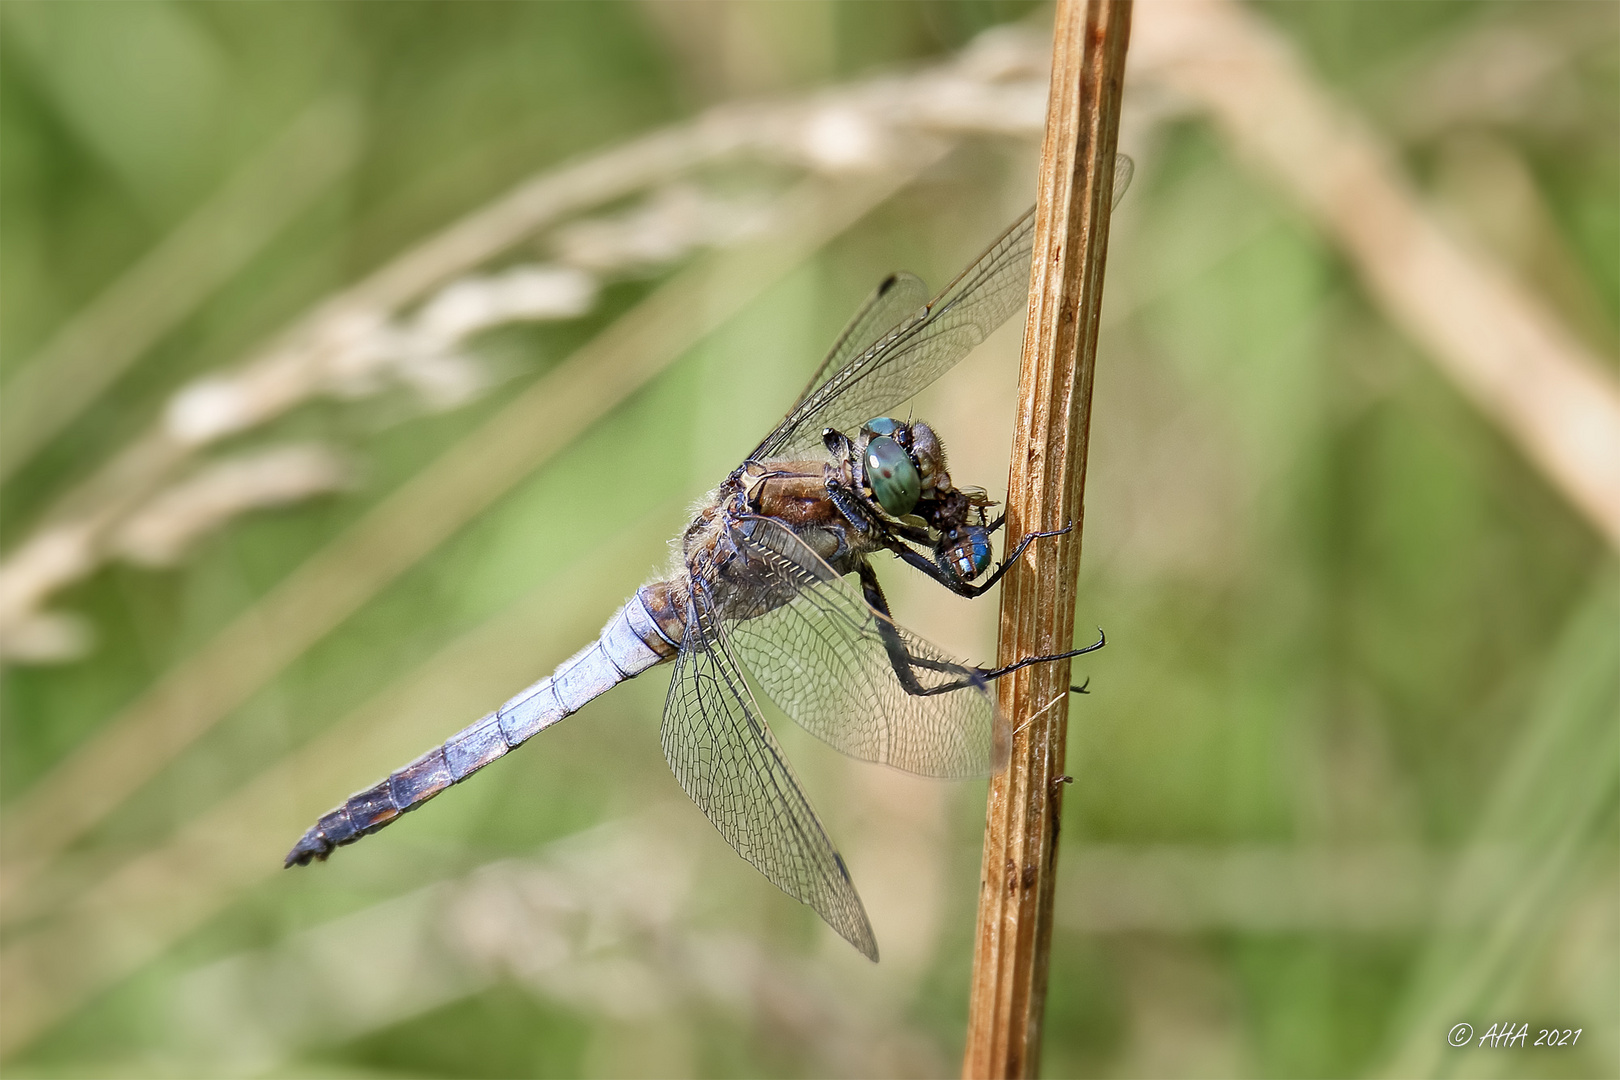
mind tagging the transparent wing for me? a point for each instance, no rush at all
(1124, 169)
(725, 757)
(824, 656)
(914, 353)
(898, 299)
(874, 368)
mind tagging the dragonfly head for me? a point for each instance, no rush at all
(891, 474)
(901, 462)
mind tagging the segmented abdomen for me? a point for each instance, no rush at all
(642, 634)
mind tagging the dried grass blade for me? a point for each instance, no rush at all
(134, 746)
(1044, 491)
(165, 287)
(1498, 343)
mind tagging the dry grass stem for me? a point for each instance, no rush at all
(165, 529)
(365, 337)
(171, 281)
(190, 699)
(1496, 342)
(1044, 492)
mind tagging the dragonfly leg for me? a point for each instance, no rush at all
(853, 508)
(904, 662)
(1012, 557)
(996, 673)
(943, 574)
(980, 676)
(909, 532)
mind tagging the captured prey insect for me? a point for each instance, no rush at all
(762, 583)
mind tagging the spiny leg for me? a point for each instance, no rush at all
(856, 513)
(1006, 564)
(963, 588)
(1019, 549)
(900, 657)
(996, 673)
(903, 661)
(984, 675)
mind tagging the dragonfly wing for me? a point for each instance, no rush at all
(725, 757)
(1124, 169)
(899, 299)
(901, 363)
(828, 660)
(891, 350)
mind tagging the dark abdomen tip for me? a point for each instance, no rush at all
(313, 846)
(333, 829)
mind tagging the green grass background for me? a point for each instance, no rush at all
(1345, 614)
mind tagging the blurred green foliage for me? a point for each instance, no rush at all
(1345, 615)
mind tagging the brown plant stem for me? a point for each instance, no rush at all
(1044, 490)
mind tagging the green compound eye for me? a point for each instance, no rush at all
(881, 425)
(892, 476)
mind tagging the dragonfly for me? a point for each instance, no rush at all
(773, 579)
